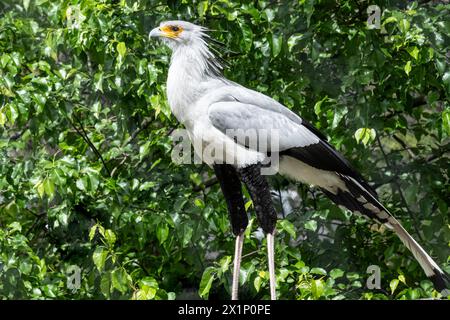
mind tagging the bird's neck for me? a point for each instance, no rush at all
(191, 69)
(197, 60)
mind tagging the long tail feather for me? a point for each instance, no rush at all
(357, 198)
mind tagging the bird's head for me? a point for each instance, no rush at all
(183, 36)
(178, 33)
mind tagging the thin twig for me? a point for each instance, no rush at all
(207, 184)
(443, 151)
(144, 124)
(19, 134)
(121, 163)
(404, 145)
(85, 137)
(249, 254)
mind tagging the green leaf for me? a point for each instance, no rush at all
(446, 121)
(248, 204)
(318, 106)
(446, 81)
(309, 10)
(277, 42)
(121, 49)
(389, 20)
(49, 188)
(408, 67)
(25, 267)
(293, 40)
(98, 81)
(402, 279)
(162, 232)
(149, 282)
(145, 293)
(414, 52)
(105, 285)
(224, 264)
(4, 59)
(414, 294)
(441, 65)
(270, 14)
(339, 114)
(202, 8)
(320, 271)
(317, 288)
(92, 232)
(257, 283)
(370, 136)
(40, 188)
(148, 289)
(247, 36)
(187, 234)
(205, 283)
(404, 25)
(110, 237)
(120, 279)
(99, 257)
(2, 117)
(199, 203)
(15, 226)
(365, 135)
(81, 184)
(352, 276)
(393, 285)
(246, 272)
(336, 273)
(288, 227)
(311, 225)
(426, 285)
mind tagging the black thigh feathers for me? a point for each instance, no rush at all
(231, 187)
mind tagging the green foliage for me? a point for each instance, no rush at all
(86, 177)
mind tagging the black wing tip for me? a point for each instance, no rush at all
(349, 201)
(323, 156)
(441, 282)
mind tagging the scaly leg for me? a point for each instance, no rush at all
(271, 258)
(259, 191)
(237, 266)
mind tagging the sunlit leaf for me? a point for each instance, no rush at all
(408, 67)
(99, 257)
(121, 49)
(206, 282)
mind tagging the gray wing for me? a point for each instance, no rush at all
(235, 92)
(297, 138)
(246, 120)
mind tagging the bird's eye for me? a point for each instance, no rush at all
(175, 28)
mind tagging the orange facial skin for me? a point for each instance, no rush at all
(171, 31)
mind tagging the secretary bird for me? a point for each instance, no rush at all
(211, 106)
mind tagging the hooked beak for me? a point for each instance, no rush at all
(155, 33)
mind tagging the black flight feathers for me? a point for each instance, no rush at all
(323, 156)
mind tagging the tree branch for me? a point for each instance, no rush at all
(207, 184)
(83, 134)
(404, 145)
(144, 124)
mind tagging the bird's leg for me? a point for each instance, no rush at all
(271, 261)
(231, 188)
(259, 190)
(237, 266)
